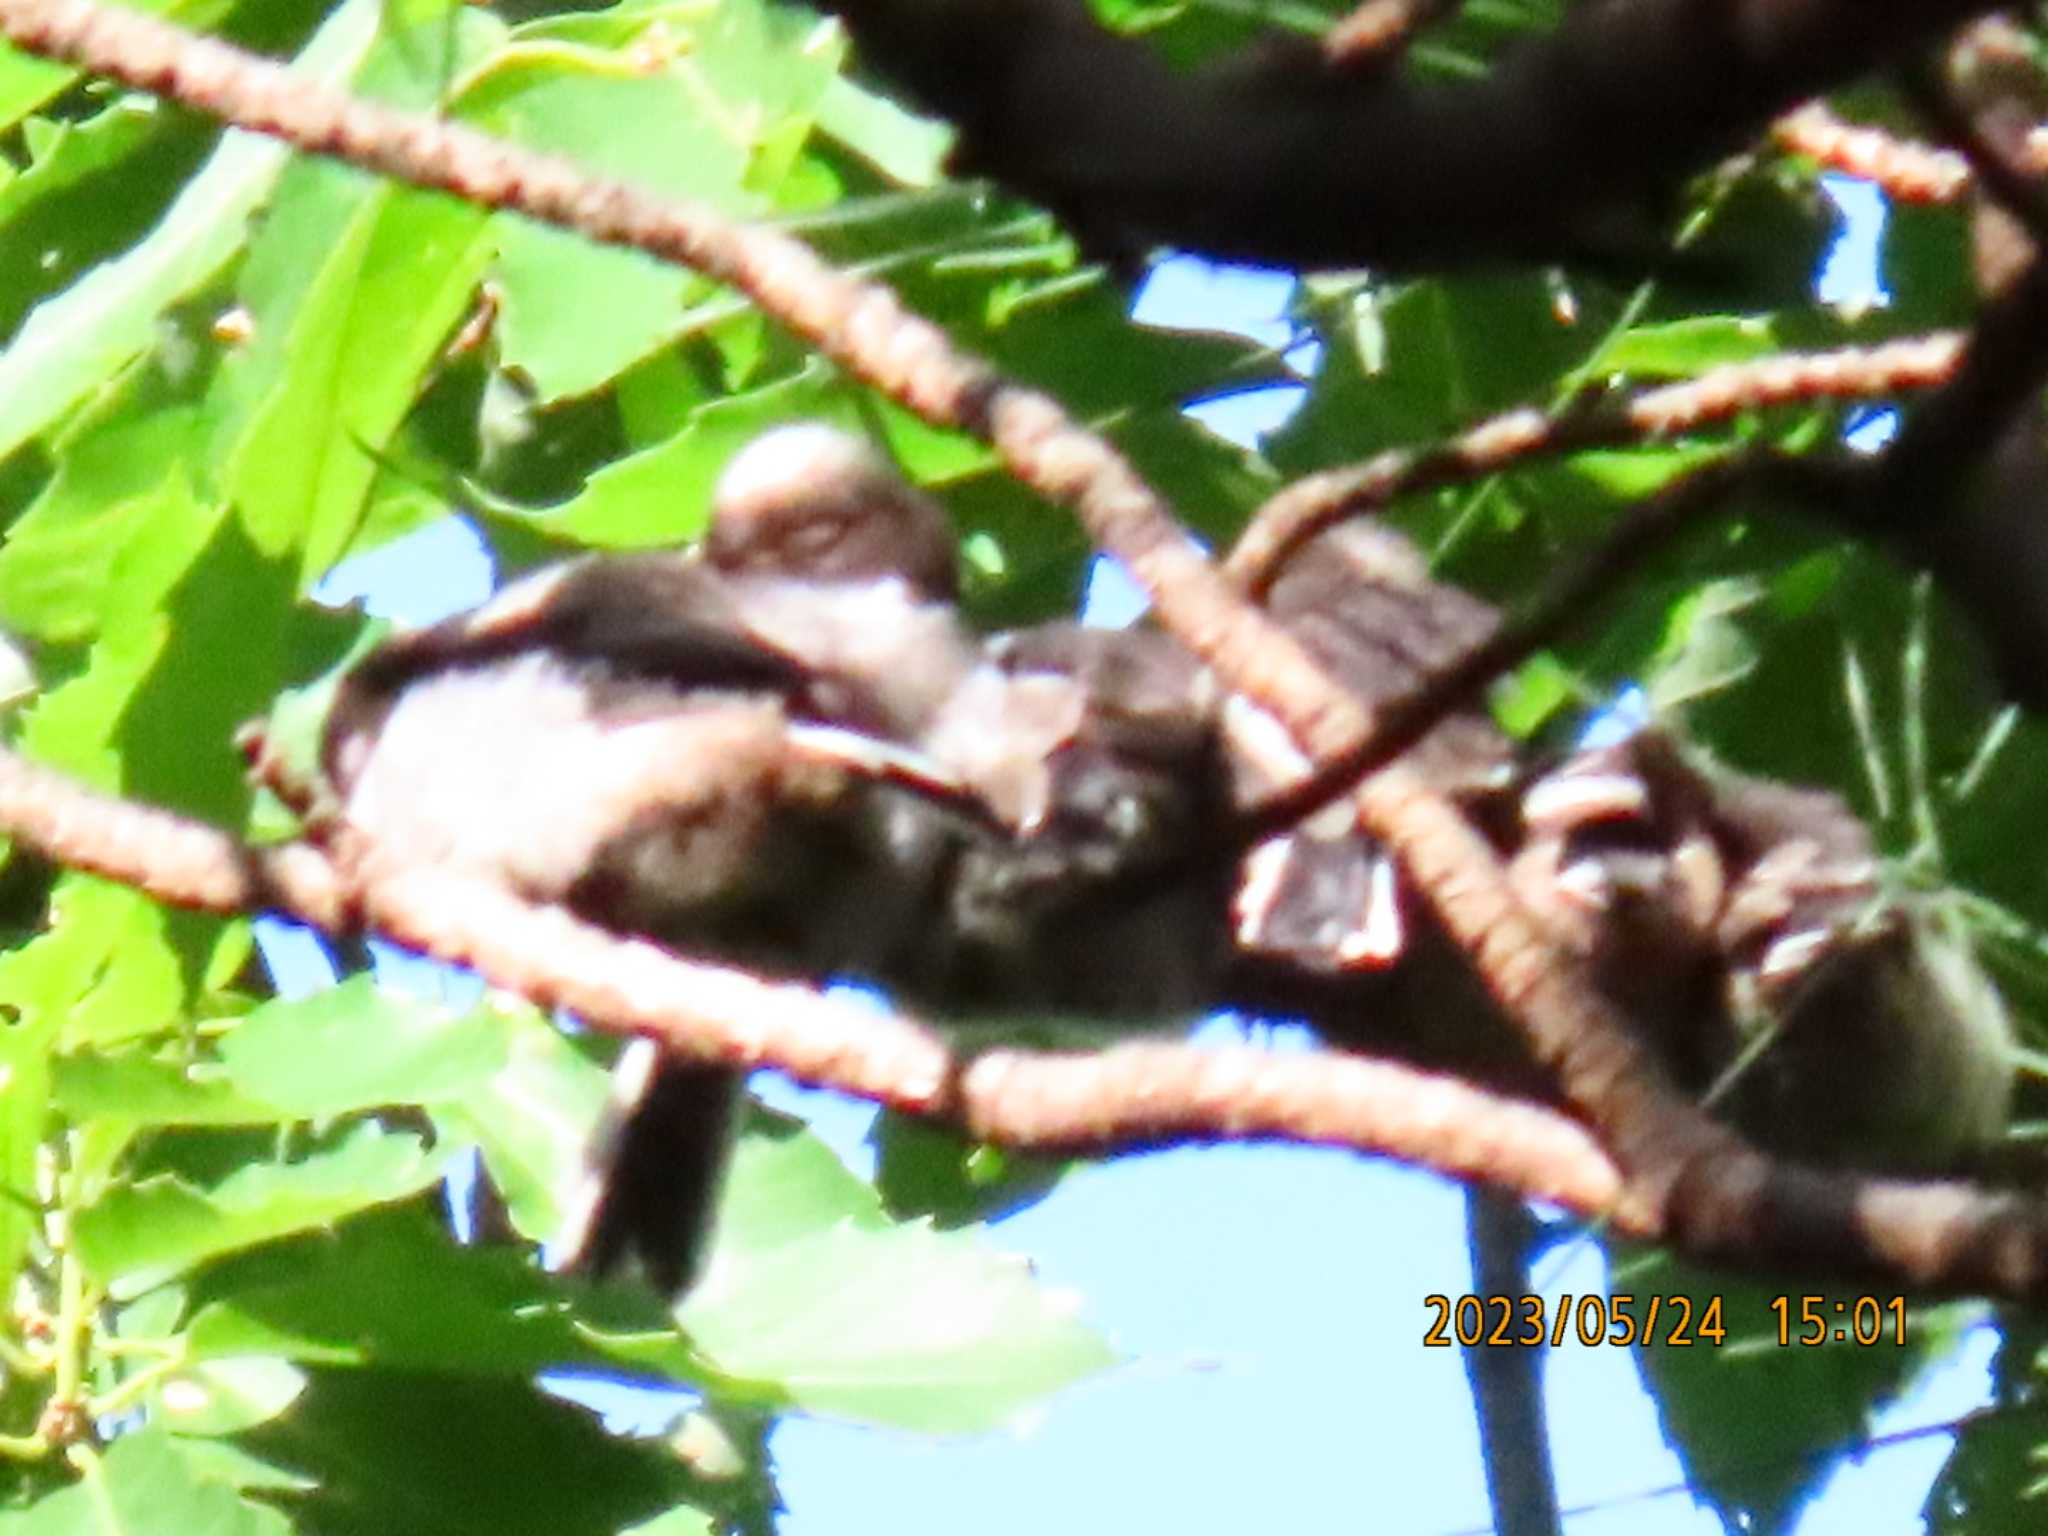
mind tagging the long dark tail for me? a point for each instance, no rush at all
(654, 1170)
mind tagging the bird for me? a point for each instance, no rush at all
(1755, 934)
(1746, 928)
(786, 749)
(697, 746)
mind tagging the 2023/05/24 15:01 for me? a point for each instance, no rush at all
(1674, 1321)
(1840, 1320)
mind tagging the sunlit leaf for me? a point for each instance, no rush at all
(373, 296)
(143, 1482)
(532, 1118)
(357, 1046)
(813, 1300)
(224, 1397)
(82, 337)
(138, 1237)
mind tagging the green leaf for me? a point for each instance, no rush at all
(1640, 471)
(26, 82)
(785, 1185)
(141, 1236)
(676, 1522)
(358, 1046)
(392, 1290)
(78, 152)
(239, 634)
(151, 1089)
(25, 1045)
(1532, 695)
(631, 304)
(117, 478)
(1211, 483)
(1924, 263)
(925, 1169)
(197, 631)
(812, 1300)
(343, 353)
(105, 971)
(731, 83)
(220, 1461)
(1080, 343)
(144, 1482)
(904, 147)
(405, 1454)
(1708, 648)
(901, 1326)
(225, 1397)
(79, 339)
(72, 726)
(661, 496)
(1424, 359)
(532, 1118)
(1682, 348)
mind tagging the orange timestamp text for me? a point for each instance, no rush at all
(1866, 1320)
(1674, 1321)
(1591, 1319)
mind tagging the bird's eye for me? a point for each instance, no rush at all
(816, 535)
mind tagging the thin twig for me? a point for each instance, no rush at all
(1905, 171)
(1316, 502)
(1374, 33)
(1404, 720)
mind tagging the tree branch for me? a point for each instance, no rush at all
(1738, 1209)
(1318, 501)
(1278, 157)
(1404, 720)
(1906, 172)
(1130, 1095)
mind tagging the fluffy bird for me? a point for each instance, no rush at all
(1744, 925)
(784, 748)
(1748, 926)
(703, 748)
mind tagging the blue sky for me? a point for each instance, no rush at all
(1269, 1298)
